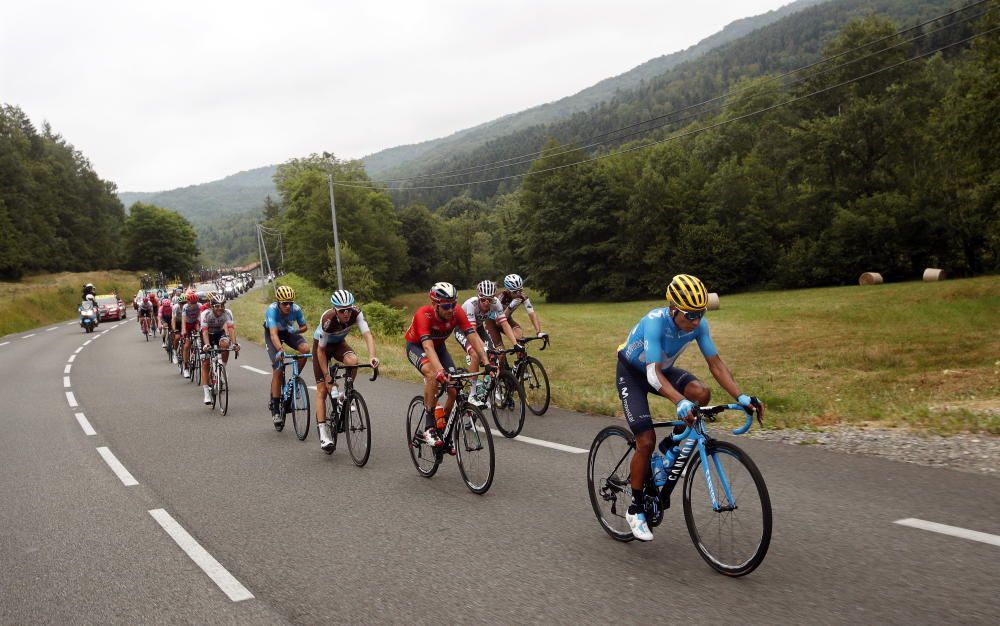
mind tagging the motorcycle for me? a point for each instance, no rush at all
(88, 319)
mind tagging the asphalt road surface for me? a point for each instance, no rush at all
(210, 519)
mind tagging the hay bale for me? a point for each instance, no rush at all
(870, 278)
(932, 274)
(713, 302)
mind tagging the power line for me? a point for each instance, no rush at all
(526, 158)
(684, 134)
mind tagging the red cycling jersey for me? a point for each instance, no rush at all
(426, 325)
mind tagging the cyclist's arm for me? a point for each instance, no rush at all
(303, 327)
(507, 330)
(204, 326)
(322, 359)
(432, 357)
(370, 344)
(722, 374)
(535, 321)
(480, 347)
(275, 341)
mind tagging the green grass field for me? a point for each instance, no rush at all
(918, 355)
(47, 298)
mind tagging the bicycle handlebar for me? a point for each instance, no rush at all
(544, 339)
(339, 366)
(709, 413)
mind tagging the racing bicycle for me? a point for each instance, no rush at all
(726, 504)
(217, 378)
(348, 414)
(465, 435)
(294, 396)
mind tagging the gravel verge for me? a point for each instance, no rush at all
(979, 454)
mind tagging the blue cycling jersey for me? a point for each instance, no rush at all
(273, 318)
(656, 339)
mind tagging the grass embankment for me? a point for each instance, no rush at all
(919, 355)
(46, 298)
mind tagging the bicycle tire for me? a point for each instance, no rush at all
(300, 408)
(195, 365)
(333, 419)
(222, 384)
(750, 512)
(424, 457)
(471, 436)
(358, 429)
(507, 405)
(534, 381)
(608, 471)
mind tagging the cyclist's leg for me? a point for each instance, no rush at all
(343, 352)
(276, 368)
(418, 358)
(632, 391)
(449, 366)
(225, 343)
(320, 376)
(689, 385)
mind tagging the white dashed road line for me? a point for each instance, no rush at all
(255, 370)
(67, 368)
(71, 399)
(51, 329)
(72, 358)
(954, 531)
(28, 336)
(85, 424)
(78, 350)
(87, 342)
(116, 466)
(66, 381)
(4, 343)
(219, 575)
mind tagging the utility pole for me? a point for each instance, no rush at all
(333, 214)
(260, 251)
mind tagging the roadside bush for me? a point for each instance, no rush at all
(383, 319)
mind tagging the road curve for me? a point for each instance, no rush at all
(313, 539)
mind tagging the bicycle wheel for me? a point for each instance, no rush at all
(300, 408)
(222, 388)
(169, 349)
(608, 470)
(734, 539)
(474, 444)
(535, 385)
(357, 428)
(425, 458)
(507, 405)
(333, 419)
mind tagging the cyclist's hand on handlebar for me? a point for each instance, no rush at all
(374, 362)
(519, 346)
(542, 334)
(491, 368)
(751, 404)
(279, 358)
(442, 376)
(685, 410)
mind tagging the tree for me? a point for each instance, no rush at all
(159, 239)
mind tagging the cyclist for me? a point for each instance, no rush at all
(175, 316)
(511, 298)
(189, 314)
(486, 310)
(330, 342)
(145, 314)
(425, 349)
(283, 323)
(646, 365)
(165, 318)
(219, 331)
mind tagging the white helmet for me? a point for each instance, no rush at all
(443, 292)
(513, 282)
(486, 289)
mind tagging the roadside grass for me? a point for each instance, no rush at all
(916, 355)
(46, 298)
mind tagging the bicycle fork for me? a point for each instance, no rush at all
(707, 470)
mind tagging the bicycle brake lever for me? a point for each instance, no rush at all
(374, 374)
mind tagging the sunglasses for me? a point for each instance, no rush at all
(284, 303)
(447, 306)
(343, 310)
(692, 316)
(486, 299)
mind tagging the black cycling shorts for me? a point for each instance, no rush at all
(292, 340)
(633, 389)
(416, 355)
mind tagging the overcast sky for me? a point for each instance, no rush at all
(166, 94)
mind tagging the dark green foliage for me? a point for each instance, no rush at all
(384, 320)
(55, 213)
(159, 239)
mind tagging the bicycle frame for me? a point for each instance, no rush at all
(348, 382)
(293, 360)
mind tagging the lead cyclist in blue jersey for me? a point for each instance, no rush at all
(646, 365)
(284, 323)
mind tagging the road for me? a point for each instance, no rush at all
(301, 537)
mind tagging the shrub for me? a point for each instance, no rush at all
(383, 319)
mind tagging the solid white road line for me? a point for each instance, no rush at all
(116, 466)
(66, 381)
(219, 575)
(67, 368)
(71, 399)
(28, 336)
(954, 531)
(72, 358)
(85, 424)
(78, 350)
(254, 369)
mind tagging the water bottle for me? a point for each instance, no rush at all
(335, 393)
(659, 471)
(484, 384)
(439, 418)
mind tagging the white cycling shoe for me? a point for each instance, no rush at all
(185, 373)
(326, 442)
(208, 395)
(640, 530)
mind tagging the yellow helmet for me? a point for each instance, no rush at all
(687, 293)
(284, 293)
